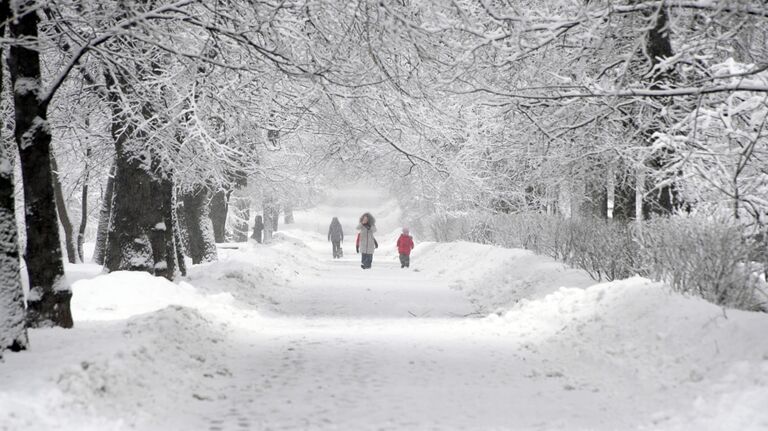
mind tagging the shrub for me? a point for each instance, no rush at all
(711, 258)
(706, 257)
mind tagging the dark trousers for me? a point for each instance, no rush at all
(367, 260)
(336, 249)
(405, 260)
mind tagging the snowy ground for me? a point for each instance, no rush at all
(471, 337)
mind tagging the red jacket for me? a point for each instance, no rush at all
(404, 244)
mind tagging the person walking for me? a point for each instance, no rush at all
(336, 237)
(366, 242)
(404, 247)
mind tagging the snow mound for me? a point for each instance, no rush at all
(256, 274)
(122, 294)
(495, 278)
(668, 341)
(167, 358)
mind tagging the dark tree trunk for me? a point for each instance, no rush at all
(61, 207)
(659, 48)
(104, 219)
(49, 300)
(140, 237)
(177, 238)
(258, 229)
(218, 211)
(624, 200)
(83, 208)
(13, 332)
(202, 247)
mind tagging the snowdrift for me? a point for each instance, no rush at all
(495, 278)
(714, 360)
(113, 376)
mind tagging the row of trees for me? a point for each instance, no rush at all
(186, 102)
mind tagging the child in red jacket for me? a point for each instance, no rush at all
(404, 247)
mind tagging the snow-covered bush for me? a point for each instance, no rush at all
(605, 249)
(711, 258)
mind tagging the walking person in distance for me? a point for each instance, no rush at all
(404, 247)
(336, 237)
(366, 242)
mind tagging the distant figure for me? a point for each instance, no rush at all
(336, 237)
(258, 227)
(404, 247)
(366, 243)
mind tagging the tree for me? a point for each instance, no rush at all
(49, 298)
(13, 332)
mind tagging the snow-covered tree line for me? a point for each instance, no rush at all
(171, 108)
(172, 112)
(565, 103)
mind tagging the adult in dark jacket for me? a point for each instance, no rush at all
(336, 237)
(366, 242)
(258, 227)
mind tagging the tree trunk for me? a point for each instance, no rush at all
(241, 217)
(104, 219)
(269, 219)
(49, 298)
(659, 48)
(595, 203)
(202, 246)
(288, 219)
(61, 207)
(83, 208)
(13, 332)
(218, 213)
(275, 218)
(140, 237)
(177, 238)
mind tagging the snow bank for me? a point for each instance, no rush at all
(493, 277)
(119, 376)
(715, 360)
(122, 294)
(256, 274)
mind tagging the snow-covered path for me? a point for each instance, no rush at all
(378, 349)
(392, 349)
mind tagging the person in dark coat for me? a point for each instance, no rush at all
(258, 227)
(336, 237)
(366, 242)
(404, 247)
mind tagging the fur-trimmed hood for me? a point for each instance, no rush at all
(371, 219)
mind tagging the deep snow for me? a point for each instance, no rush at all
(471, 337)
